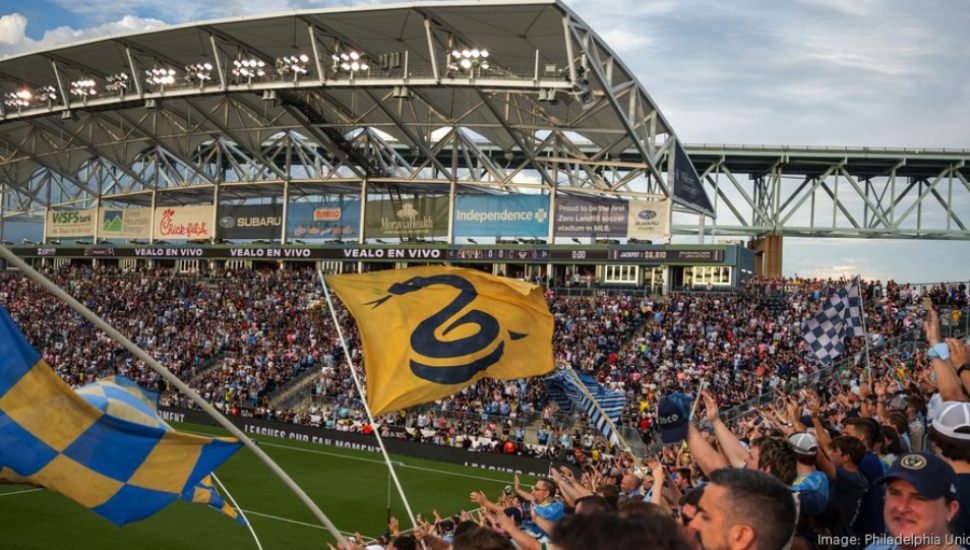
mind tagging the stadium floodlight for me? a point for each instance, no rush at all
(350, 62)
(117, 83)
(198, 73)
(47, 93)
(469, 60)
(295, 65)
(84, 88)
(18, 100)
(248, 69)
(159, 77)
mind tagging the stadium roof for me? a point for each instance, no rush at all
(268, 100)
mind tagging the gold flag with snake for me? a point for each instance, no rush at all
(429, 332)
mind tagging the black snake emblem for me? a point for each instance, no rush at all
(425, 343)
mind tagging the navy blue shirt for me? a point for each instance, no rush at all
(870, 519)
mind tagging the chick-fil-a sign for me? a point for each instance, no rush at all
(183, 222)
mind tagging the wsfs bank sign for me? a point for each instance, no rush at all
(71, 223)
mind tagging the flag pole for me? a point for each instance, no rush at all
(363, 398)
(173, 380)
(865, 331)
(238, 508)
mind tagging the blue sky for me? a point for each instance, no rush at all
(889, 73)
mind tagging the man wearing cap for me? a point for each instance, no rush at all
(921, 502)
(811, 485)
(950, 436)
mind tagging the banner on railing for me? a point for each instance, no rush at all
(417, 217)
(502, 216)
(183, 222)
(596, 217)
(330, 217)
(649, 220)
(71, 223)
(125, 223)
(250, 221)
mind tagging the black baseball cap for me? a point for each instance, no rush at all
(932, 476)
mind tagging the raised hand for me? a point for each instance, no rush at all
(932, 327)
(959, 352)
(710, 406)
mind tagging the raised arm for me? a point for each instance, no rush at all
(707, 459)
(731, 446)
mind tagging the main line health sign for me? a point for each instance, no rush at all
(502, 216)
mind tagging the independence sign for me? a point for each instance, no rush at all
(502, 216)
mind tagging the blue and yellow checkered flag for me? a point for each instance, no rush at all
(113, 459)
(122, 398)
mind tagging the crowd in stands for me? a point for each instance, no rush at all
(839, 458)
(878, 462)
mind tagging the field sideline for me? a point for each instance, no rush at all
(350, 486)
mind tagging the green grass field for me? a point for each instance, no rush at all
(350, 486)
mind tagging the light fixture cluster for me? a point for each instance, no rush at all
(160, 77)
(47, 93)
(350, 61)
(295, 65)
(117, 83)
(469, 60)
(25, 97)
(248, 69)
(198, 73)
(19, 99)
(84, 88)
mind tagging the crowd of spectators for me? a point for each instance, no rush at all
(838, 458)
(879, 462)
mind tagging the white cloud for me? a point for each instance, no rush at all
(12, 42)
(12, 29)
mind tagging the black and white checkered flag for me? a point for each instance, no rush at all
(840, 318)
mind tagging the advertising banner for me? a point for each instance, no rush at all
(422, 216)
(334, 217)
(250, 221)
(595, 217)
(183, 222)
(502, 216)
(71, 223)
(649, 220)
(495, 462)
(688, 189)
(126, 223)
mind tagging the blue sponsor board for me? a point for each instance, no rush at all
(502, 216)
(328, 218)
